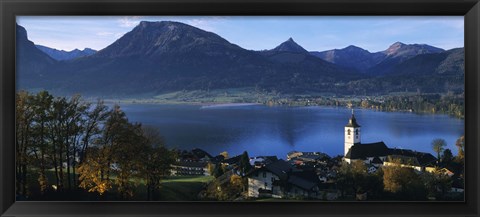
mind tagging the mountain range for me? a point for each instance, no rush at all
(65, 55)
(160, 57)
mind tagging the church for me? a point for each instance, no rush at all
(378, 154)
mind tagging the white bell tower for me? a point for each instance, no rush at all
(352, 133)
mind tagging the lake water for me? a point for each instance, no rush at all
(263, 130)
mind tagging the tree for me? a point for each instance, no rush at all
(236, 185)
(224, 154)
(91, 172)
(42, 103)
(128, 148)
(353, 178)
(112, 131)
(92, 120)
(156, 162)
(447, 156)
(438, 146)
(116, 145)
(219, 171)
(460, 143)
(244, 164)
(73, 130)
(436, 183)
(403, 182)
(25, 114)
(210, 168)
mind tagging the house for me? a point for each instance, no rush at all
(266, 181)
(312, 157)
(403, 161)
(232, 161)
(217, 159)
(195, 155)
(419, 161)
(293, 154)
(281, 180)
(261, 161)
(302, 184)
(189, 168)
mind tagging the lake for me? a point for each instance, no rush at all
(264, 130)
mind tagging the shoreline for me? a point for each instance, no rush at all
(207, 105)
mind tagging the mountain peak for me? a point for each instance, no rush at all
(353, 48)
(152, 39)
(394, 48)
(90, 50)
(401, 49)
(396, 44)
(290, 46)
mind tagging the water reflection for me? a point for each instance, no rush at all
(266, 130)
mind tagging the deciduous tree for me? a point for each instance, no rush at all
(438, 145)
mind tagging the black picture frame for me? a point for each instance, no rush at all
(9, 9)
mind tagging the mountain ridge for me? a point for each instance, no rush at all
(158, 57)
(65, 55)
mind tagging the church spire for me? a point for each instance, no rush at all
(353, 121)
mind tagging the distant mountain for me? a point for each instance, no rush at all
(450, 62)
(404, 51)
(289, 46)
(154, 39)
(290, 53)
(398, 53)
(430, 73)
(165, 56)
(378, 63)
(351, 57)
(66, 55)
(31, 63)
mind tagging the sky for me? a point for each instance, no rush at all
(314, 33)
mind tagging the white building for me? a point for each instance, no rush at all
(280, 180)
(378, 154)
(352, 133)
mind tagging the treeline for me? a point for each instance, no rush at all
(447, 104)
(69, 145)
(425, 103)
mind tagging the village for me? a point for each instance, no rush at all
(370, 171)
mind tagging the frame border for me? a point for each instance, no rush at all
(9, 9)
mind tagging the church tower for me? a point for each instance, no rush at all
(352, 133)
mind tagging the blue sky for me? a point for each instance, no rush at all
(314, 33)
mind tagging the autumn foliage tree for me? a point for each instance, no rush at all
(403, 182)
(90, 170)
(460, 143)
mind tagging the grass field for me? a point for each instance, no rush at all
(218, 96)
(173, 188)
(183, 188)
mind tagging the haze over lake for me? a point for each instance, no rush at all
(263, 130)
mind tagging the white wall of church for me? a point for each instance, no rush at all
(352, 136)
